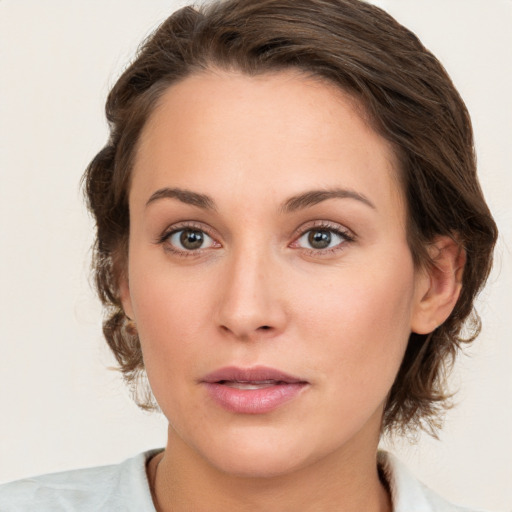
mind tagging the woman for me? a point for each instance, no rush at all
(290, 236)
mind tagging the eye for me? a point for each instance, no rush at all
(322, 238)
(190, 239)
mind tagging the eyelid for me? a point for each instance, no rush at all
(326, 225)
(178, 226)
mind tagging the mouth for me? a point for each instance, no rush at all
(256, 390)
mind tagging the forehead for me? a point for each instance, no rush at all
(283, 132)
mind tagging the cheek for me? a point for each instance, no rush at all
(171, 322)
(362, 322)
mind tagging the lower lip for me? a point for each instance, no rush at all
(253, 401)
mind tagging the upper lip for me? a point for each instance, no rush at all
(254, 374)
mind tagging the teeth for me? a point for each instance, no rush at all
(241, 385)
(250, 385)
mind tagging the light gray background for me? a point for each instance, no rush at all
(60, 407)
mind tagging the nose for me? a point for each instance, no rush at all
(251, 304)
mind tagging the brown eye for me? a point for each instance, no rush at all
(319, 239)
(190, 239)
(322, 238)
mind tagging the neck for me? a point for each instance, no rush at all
(182, 480)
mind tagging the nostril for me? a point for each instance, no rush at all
(264, 327)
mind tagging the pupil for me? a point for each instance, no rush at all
(319, 239)
(191, 239)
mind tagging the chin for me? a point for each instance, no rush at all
(259, 463)
(260, 454)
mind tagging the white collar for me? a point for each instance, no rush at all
(407, 493)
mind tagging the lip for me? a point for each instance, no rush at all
(255, 390)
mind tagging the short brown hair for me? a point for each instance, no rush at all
(410, 100)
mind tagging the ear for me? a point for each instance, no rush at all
(438, 285)
(124, 295)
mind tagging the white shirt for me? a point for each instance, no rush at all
(124, 488)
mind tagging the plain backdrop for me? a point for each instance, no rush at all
(60, 405)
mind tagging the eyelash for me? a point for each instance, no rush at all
(347, 236)
(166, 235)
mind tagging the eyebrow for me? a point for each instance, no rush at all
(298, 202)
(185, 196)
(313, 197)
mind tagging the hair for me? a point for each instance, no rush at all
(410, 101)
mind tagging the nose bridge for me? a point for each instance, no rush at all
(250, 301)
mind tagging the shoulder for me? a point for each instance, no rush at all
(409, 494)
(119, 487)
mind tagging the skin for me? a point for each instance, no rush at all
(258, 293)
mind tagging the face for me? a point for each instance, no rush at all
(269, 274)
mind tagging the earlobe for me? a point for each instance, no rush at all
(439, 285)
